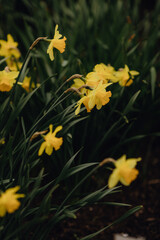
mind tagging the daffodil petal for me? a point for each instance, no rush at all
(113, 179)
(59, 128)
(132, 162)
(41, 149)
(120, 161)
(49, 150)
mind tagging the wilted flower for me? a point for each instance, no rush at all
(51, 141)
(124, 171)
(56, 42)
(9, 48)
(9, 202)
(7, 79)
(125, 76)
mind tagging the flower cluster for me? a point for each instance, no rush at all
(9, 202)
(9, 50)
(93, 87)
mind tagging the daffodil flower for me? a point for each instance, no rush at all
(7, 79)
(124, 171)
(13, 64)
(101, 72)
(51, 141)
(27, 85)
(79, 83)
(97, 97)
(9, 202)
(57, 43)
(9, 48)
(125, 76)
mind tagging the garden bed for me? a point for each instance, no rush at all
(145, 222)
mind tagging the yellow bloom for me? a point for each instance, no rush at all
(9, 47)
(51, 141)
(105, 72)
(79, 83)
(27, 84)
(101, 73)
(125, 76)
(124, 172)
(56, 42)
(7, 79)
(13, 65)
(97, 96)
(9, 202)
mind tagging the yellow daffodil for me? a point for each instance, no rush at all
(13, 64)
(79, 83)
(57, 43)
(51, 141)
(125, 76)
(98, 96)
(105, 72)
(9, 202)
(101, 72)
(93, 79)
(124, 171)
(9, 48)
(7, 79)
(27, 84)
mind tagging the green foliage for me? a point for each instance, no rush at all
(57, 186)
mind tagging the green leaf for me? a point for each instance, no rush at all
(131, 102)
(153, 80)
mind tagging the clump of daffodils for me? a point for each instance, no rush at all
(107, 74)
(93, 87)
(9, 201)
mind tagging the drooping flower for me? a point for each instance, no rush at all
(57, 43)
(125, 76)
(51, 141)
(124, 171)
(7, 79)
(9, 202)
(97, 97)
(9, 48)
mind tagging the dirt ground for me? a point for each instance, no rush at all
(146, 222)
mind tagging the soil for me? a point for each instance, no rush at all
(146, 222)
